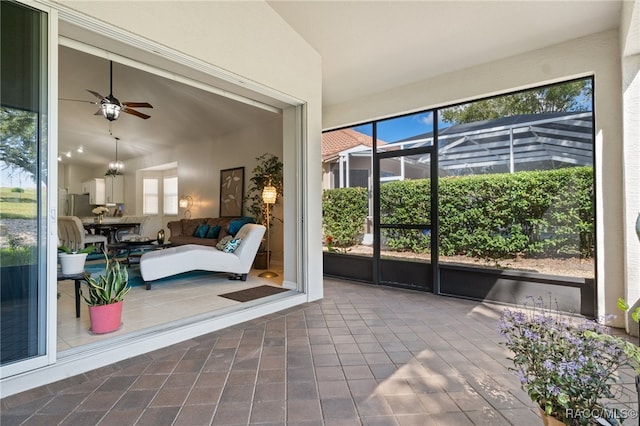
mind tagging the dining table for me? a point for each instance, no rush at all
(110, 230)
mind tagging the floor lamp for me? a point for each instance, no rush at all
(269, 195)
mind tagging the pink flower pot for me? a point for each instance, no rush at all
(105, 318)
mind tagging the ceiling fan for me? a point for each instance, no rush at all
(110, 106)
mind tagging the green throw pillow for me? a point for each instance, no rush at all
(223, 242)
(201, 231)
(214, 231)
(232, 245)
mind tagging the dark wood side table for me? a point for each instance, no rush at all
(77, 278)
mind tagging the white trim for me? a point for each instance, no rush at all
(52, 202)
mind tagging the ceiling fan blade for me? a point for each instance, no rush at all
(137, 104)
(96, 94)
(136, 113)
(78, 100)
(98, 112)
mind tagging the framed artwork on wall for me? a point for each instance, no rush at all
(231, 192)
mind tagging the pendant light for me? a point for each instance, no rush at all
(115, 167)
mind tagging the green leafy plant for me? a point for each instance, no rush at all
(344, 211)
(107, 288)
(67, 250)
(18, 254)
(624, 307)
(566, 367)
(268, 171)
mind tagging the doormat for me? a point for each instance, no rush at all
(253, 293)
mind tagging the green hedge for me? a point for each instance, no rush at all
(344, 211)
(546, 213)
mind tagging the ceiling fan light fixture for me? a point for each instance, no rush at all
(110, 108)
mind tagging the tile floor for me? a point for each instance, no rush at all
(164, 303)
(363, 355)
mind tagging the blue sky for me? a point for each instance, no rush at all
(402, 127)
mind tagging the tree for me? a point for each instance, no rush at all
(557, 98)
(18, 142)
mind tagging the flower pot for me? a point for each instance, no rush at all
(72, 264)
(105, 318)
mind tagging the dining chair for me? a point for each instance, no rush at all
(135, 232)
(72, 234)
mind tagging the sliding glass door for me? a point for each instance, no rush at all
(23, 184)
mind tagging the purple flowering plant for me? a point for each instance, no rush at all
(564, 364)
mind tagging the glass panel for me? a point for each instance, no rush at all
(516, 188)
(347, 190)
(405, 201)
(23, 154)
(409, 131)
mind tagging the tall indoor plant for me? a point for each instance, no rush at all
(105, 295)
(267, 172)
(568, 368)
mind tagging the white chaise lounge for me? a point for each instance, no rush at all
(176, 260)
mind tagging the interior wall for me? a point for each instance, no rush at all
(71, 176)
(598, 55)
(199, 165)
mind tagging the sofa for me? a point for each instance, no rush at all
(190, 257)
(184, 231)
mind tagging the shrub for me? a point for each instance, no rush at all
(344, 211)
(494, 216)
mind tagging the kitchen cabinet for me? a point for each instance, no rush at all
(114, 193)
(96, 190)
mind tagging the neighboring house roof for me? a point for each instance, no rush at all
(513, 120)
(337, 141)
(557, 137)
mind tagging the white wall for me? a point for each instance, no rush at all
(199, 165)
(597, 55)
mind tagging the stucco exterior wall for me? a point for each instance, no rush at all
(598, 55)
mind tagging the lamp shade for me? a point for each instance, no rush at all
(183, 203)
(269, 194)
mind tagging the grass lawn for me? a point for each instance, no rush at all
(18, 205)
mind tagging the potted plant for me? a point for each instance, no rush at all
(105, 295)
(268, 171)
(72, 261)
(568, 368)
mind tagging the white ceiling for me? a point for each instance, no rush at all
(366, 47)
(180, 112)
(372, 46)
